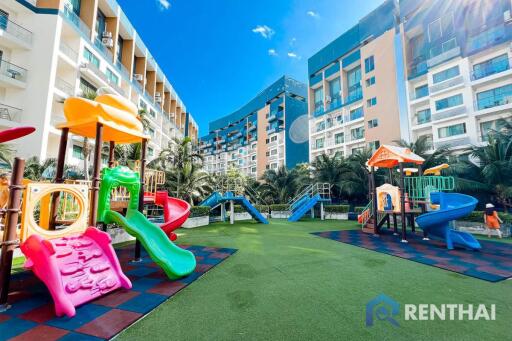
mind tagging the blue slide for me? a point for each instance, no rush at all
(453, 206)
(216, 199)
(303, 205)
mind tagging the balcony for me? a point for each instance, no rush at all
(12, 75)
(487, 37)
(493, 101)
(355, 93)
(68, 52)
(93, 69)
(334, 103)
(104, 50)
(443, 53)
(492, 68)
(123, 70)
(14, 35)
(9, 113)
(449, 113)
(66, 88)
(319, 109)
(450, 83)
(453, 143)
(417, 69)
(68, 14)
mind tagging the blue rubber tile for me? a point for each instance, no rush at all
(14, 327)
(84, 315)
(143, 303)
(145, 284)
(78, 337)
(141, 271)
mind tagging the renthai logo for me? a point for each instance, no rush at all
(383, 308)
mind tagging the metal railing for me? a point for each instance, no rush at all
(67, 13)
(491, 68)
(419, 187)
(13, 71)
(16, 30)
(64, 86)
(320, 188)
(10, 113)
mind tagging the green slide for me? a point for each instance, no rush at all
(175, 261)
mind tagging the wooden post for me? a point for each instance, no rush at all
(141, 193)
(375, 204)
(9, 241)
(96, 174)
(402, 203)
(59, 176)
(111, 158)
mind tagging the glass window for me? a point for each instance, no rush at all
(91, 58)
(456, 129)
(86, 86)
(320, 126)
(151, 152)
(449, 102)
(373, 123)
(423, 116)
(494, 97)
(491, 66)
(111, 76)
(374, 145)
(357, 150)
(446, 74)
(152, 112)
(4, 20)
(319, 99)
(319, 143)
(119, 51)
(434, 30)
(356, 113)
(421, 91)
(334, 88)
(339, 119)
(74, 5)
(78, 152)
(492, 127)
(100, 24)
(369, 64)
(370, 81)
(357, 133)
(339, 138)
(371, 102)
(354, 77)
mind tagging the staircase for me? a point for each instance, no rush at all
(308, 198)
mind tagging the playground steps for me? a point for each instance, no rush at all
(217, 198)
(306, 205)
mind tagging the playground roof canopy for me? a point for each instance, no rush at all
(118, 115)
(390, 156)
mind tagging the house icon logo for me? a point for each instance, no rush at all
(382, 308)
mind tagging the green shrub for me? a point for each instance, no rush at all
(359, 209)
(478, 216)
(238, 209)
(279, 207)
(336, 208)
(199, 211)
(262, 208)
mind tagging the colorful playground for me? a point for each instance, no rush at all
(66, 276)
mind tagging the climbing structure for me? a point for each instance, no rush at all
(312, 195)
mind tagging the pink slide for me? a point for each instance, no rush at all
(176, 212)
(76, 269)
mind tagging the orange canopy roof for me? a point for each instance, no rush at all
(390, 156)
(118, 115)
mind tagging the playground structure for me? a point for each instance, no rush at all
(232, 191)
(307, 199)
(419, 197)
(59, 237)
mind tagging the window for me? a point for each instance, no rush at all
(119, 51)
(273, 152)
(370, 81)
(354, 78)
(374, 145)
(357, 133)
(91, 58)
(334, 93)
(328, 123)
(441, 27)
(273, 138)
(456, 129)
(449, 102)
(253, 170)
(320, 126)
(356, 113)
(151, 131)
(78, 152)
(339, 119)
(151, 152)
(319, 99)
(369, 64)
(434, 30)
(100, 24)
(421, 91)
(319, 143)
(152, 113)
(74, 5)
(371, 102)
(423, 116)
(339, 138)
(4, 20)
(111, 76)
(143, 105)
(492, 127)
(85, 86)
(491, 66)
(446, 74)
(273, 166)
(357, 150)
(253, 158)
(373, 123)
(494, 97)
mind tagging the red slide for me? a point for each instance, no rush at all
(176, 211)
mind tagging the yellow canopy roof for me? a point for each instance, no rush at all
(390, 156)
(436, 170)
(118, 115)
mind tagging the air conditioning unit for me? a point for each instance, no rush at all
(107, 42)
(158, 99)
(328, 99)
(507, 16)
(107, 34)
(84, 65)
(138, 77)
(157, 94)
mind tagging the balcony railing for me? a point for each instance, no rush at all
(103, 49)
(13, 71)
(456, 111)
(334, 104)
(64, 86)
(75, 20)
(446, 84)
(355, 94)
(16, 30)
(487, 37)
(94, 69)
(458, 142)
(491, 68)
(123, 70)
(10, 113)
(442, 53)
(68, 51)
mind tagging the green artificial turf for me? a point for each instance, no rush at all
(284, 283)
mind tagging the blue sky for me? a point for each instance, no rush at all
(218, 54)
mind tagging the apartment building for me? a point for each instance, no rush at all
(459, 80)
(268, 132)
(53, 49)
(354, 87)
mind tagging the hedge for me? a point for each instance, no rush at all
(262, 208)
(336, 208)
(279, 207)
(478, 216)
(359, 209)
(199, 211)
(240, 209)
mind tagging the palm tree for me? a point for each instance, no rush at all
(354, 181)
(282, 185)
(423, 147)
(89, 94)
(37, 170)
(6, 154)
(189, 183)
(330, 170)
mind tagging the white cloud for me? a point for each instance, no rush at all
(293, 55)
(293, 41)
(163, 4)
(272, 52)
(265, 31)
(313, 14)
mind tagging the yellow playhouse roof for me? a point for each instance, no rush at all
(118, 115)
(390, 156)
